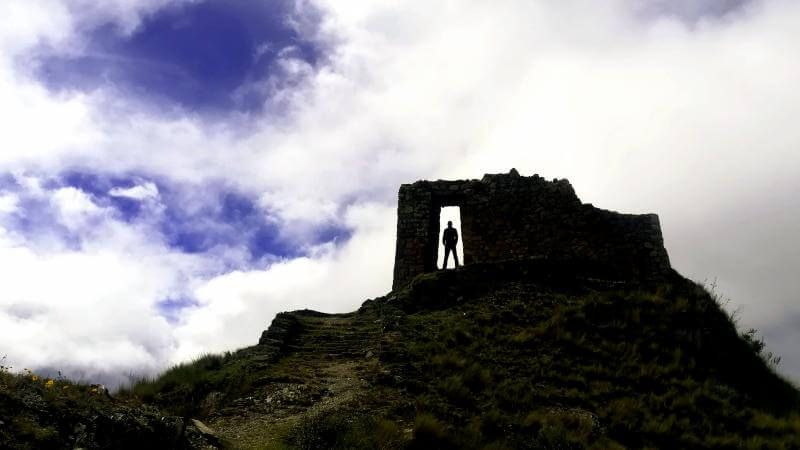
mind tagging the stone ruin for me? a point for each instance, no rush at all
(511, 217)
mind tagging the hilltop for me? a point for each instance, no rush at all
(523, 354)
(567, 328)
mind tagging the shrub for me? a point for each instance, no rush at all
(181, 389)
(454, 389)
(477, 378)
(430, 433)
(345, 431)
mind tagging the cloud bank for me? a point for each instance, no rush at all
(174, 227)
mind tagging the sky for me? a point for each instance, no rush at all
(175, 172)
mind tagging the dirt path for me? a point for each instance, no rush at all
(284, 406)
(325, 371)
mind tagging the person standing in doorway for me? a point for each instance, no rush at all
(449, 239)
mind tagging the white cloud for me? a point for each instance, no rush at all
(126, 14)
(55, 22)
(139, 192)
(86, 311)
(28, 23)
(90, 309)
(9, 203)
(93, 311)
(75, 207)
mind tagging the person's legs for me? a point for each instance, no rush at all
(446, 255)
(455, 256)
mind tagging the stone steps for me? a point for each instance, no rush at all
(309, 334)
(333, 338)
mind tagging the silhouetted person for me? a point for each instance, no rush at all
(450, 239)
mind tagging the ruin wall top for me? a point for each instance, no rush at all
(512, 217)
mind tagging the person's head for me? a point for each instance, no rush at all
(449, 224)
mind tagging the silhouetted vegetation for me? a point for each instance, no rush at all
(576, 364)
(54, 413)
(488, 357)
(181, 389)
(533, 366)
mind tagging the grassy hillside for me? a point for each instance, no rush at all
(563, 364)
(39, 413)
(489, 356)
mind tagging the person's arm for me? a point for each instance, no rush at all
(455, 239)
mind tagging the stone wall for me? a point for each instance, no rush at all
(511, 217)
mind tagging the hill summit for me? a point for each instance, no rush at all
(508, 217)
(537, 350)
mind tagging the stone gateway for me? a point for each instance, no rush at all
(511, 217)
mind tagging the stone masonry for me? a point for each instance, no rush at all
(511, 217)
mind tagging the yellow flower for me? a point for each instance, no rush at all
(49, 384)
(65, 388)
(34, 378)
(94, 390)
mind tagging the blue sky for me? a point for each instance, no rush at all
(205, 56)
(178, 172)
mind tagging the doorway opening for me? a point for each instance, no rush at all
(451, 214)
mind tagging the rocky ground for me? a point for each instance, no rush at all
(328, 363)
